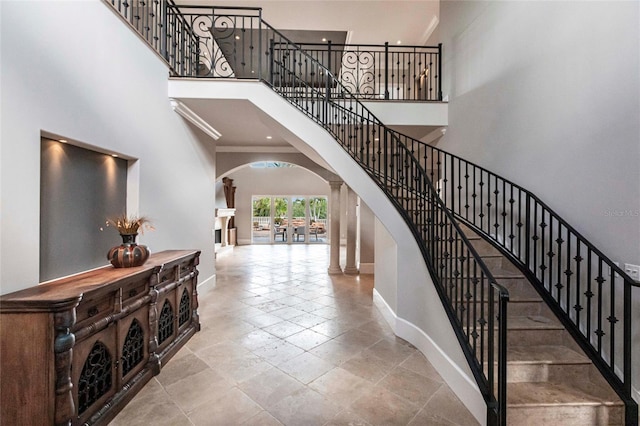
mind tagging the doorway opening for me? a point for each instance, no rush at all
(297, 219)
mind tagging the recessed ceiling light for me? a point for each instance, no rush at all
(237, 37)
(376, 139)
(324, 39)
(399, 42)
(62, 140)
(114, 155)
(269, 137)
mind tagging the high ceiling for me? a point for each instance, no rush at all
(367, 22)
(242, 125)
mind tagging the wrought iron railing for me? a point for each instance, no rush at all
(432, 190)
(389, 72)
(162, 26)
(231, 45)
(587, 291)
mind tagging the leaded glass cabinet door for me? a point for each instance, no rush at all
(184, 294)
(167, 320)
(94, 372)
(133, 339)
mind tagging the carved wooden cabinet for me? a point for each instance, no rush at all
(76, 350)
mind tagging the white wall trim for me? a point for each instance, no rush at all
(207, 285)
(194, 118)
(459, 382)
(385, 310)
(635, 393)
(253, 148)
(367, 268)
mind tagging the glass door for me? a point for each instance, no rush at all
(299, 220)
(281, 220)
(261, 220)
(318, 207)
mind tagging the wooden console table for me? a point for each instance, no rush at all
(76, 350)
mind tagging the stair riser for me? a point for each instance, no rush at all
(500, 263)
(518, 287)
(534, 337)
(565, 415)
(518, 309)
(555, 373)
(484, 248)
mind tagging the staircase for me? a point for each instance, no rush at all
(542, 316)
(550, 381)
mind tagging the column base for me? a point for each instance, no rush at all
(351, 270)
(334, 270)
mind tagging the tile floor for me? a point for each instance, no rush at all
(284, 343)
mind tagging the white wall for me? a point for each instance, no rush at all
(251, 181)
(547, 94)
(367, 226)
(74, 69)
(386, 265)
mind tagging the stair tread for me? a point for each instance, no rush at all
(533, 322)
(544, 354)
(553, 394)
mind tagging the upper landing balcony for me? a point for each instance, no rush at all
(400, 85)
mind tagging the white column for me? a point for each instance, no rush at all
(352, 227)
(334, 227)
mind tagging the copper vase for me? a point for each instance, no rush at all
(128, 254)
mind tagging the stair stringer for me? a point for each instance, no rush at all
(418, 315)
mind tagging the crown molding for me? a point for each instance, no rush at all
(194, 118)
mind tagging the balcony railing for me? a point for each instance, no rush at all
(390, 72)
(223, 42)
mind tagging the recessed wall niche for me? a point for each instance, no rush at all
(79, 189)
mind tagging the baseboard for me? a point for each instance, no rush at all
(367, 268)
(387, 313)
(207, 285)
(460, 383)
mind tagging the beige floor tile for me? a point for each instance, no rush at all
(447, 406)
(180, 368)
(347, 418)
(305, 407)
(268, 388)
(206, 386)
(419, 364)
(306, 367)
(231, 409)
(307, 339)
(340, 386)
(381, 407)
(368, 366)
(332, 328)
(263, 418)
(264, 320)
(359, 337)
(278, 352)
(409, 385)
(336, 352)
(239, 368)
(256, 339)
(307, 320)
(394, 350)
(283, 329)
